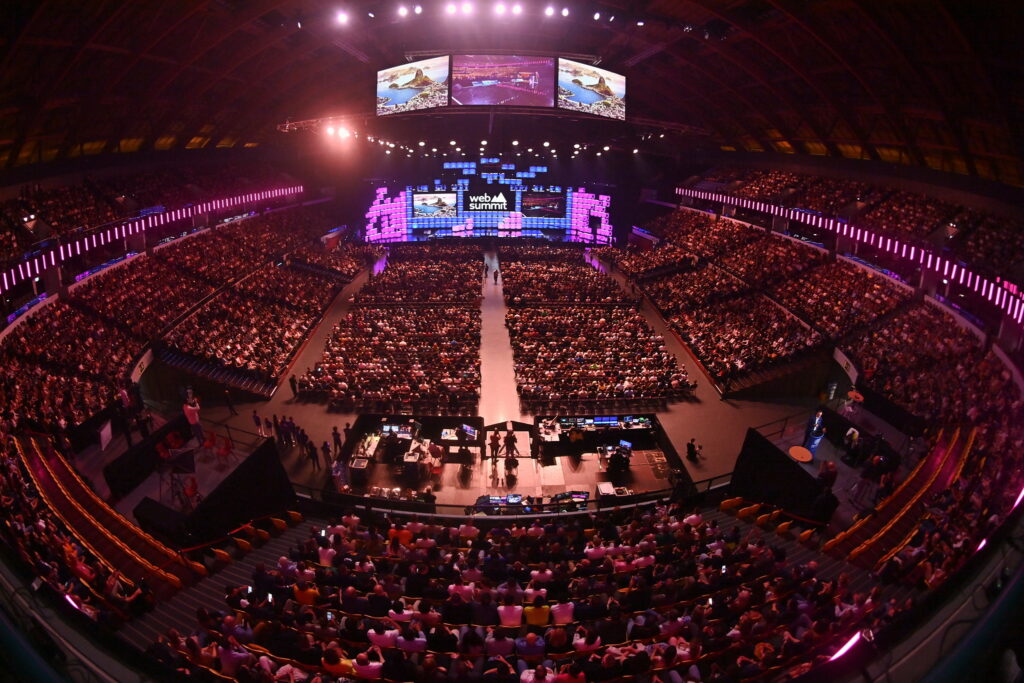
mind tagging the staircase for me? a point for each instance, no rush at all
(116, 542)
(232, 377)
(180, 611)
(869, 531)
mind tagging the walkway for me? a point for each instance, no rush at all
(499, 400)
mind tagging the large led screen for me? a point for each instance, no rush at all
(434, 205)
(543, 204)
(417, 85)
(503, 80)
(586, 88)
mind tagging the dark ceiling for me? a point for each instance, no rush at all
(922, 82)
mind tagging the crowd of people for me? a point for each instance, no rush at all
(532, 283)
(343, 260)
(772, 259)
(538, 252)
(427, 355)
(908, 213)
(64, 566)
(839, 297)
(257, 324)
(767, 185)
(417, 281)
(829, 196)
(65, 362)
(587, 353)
(658, 591)
(640, 262)
(911, 359)
(694, 289)
(742, 335)
(713, 239)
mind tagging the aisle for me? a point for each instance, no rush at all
(498, 397)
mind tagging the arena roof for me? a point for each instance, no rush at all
(934, 83)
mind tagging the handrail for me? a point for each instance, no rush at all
(153, 569)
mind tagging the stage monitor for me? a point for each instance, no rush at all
(434, 205)
(503, 80)
(625, 444)
(514, 498)
(413, 86)
(543, 204)
(470, 432)
(591, 90)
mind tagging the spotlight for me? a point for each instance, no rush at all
(330, 130)
(342, 17)
(565, 11)
(418, 9)
(598, 154)
(576, 146)
(549, 11)
(371, 15)
(606, 148)
(433, 149)
(344, 132)
(483, 142)
(597, 16)
(467, 8)
(451, 142)
(499, 8)
(515, 143)
(611, 18)
(640, 23)
(530, 149)
(547, 144)
(636, 151)
(450, 8)
(387, 151)
(458, 149)
(402, 11)
(422, 144)
(517, 9)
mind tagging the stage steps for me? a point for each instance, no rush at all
(237, 379)
(927, 471)
(180, 611)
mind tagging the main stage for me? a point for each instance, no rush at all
(396, 459)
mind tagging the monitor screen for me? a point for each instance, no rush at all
(515, 498)
(543, 204)
(591, 90)
(625, 444)
(412, 86)
(472, 433)
(580, 496)
(503, 80)
(434, 205)
(390, 429)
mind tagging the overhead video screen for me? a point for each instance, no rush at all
(543, 204)
(503, 80)
(587, 89)
(413, 86)
(434, 205)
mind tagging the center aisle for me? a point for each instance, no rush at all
(499, 400)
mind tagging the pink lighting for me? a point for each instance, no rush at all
(981, 545)
(845, 648)
(1020, 497)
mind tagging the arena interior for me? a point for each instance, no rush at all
(653, 342)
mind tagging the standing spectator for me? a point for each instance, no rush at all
(294, 384)
(228, 402)
(191, 410)
(691, 450)
(258, 422)
(336, 437)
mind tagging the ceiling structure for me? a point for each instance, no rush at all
(932, 83)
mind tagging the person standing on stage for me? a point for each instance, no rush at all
(294, 383)
(258, 422)
(312, 455)
(191, 410)
(496, 276)
(228, 402)
(510, 444)
(495, 444)
(326, 450)
(691, 450)
(336, 436)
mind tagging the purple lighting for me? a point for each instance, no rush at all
(845, 648)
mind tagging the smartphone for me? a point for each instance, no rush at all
(723, 568)
(248, 590)
(330, 615)
(323, 533)
(270, 598)
(711, 602)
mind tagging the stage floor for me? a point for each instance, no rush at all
(462, 486)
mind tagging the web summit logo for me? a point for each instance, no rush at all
(487, 202)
